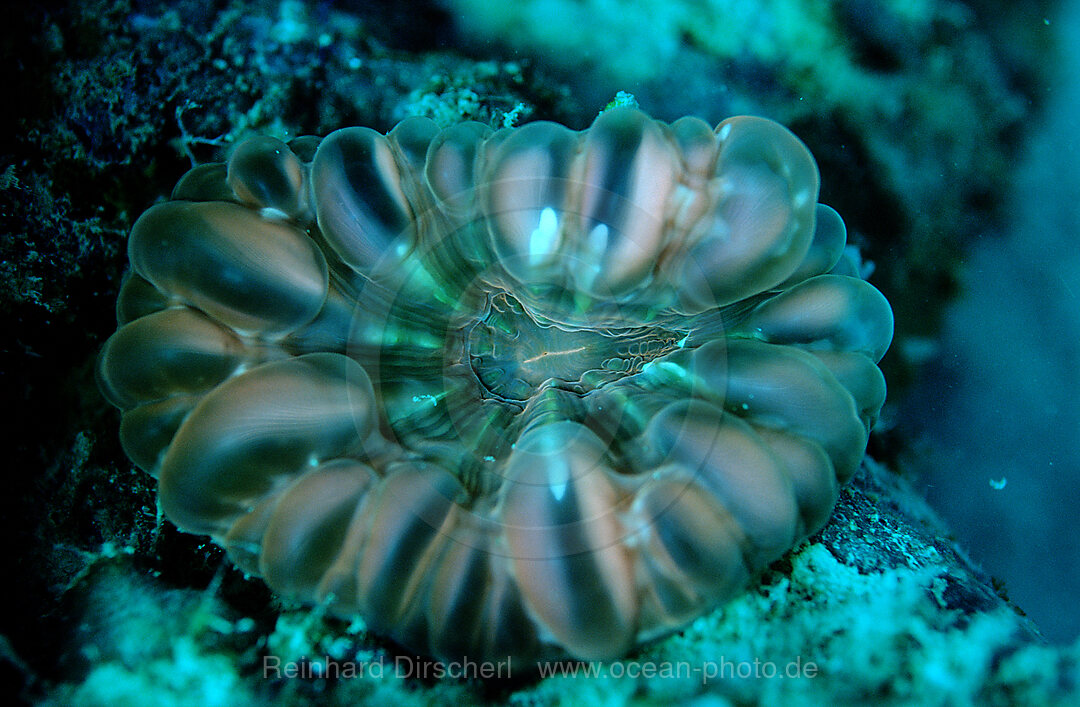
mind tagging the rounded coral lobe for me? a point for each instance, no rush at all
(530, 392)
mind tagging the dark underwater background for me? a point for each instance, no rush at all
(998, 407)
(945, 132)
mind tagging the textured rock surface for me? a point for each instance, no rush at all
(878, 607)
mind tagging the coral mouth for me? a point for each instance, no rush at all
(514, 353)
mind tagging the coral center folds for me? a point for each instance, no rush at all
(531, 392)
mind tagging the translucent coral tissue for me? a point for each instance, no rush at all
(530, 392)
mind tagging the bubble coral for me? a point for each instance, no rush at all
(530, 392)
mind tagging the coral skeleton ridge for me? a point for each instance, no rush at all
(530, 392)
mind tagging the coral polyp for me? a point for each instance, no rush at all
(531, 392)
